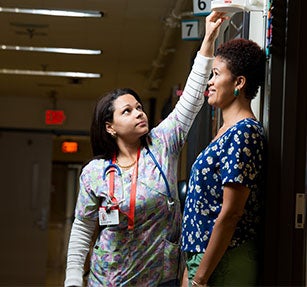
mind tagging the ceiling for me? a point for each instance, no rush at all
(136, 38)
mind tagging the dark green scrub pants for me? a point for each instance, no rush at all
(238, 266)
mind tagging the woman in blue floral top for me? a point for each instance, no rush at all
(130, 186)
(223, 204)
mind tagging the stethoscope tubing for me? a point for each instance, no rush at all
(162, 173)
(116, 167)
(111, 165)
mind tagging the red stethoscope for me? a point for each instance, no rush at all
(112, 168)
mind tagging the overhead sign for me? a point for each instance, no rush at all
(201, 7)
(54, 117)
(190, 30)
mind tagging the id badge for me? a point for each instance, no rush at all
(110, 217)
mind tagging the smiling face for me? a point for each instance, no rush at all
(221, 85)
(129, 120)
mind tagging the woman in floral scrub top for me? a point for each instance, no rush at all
(223, 205)
(140, 218)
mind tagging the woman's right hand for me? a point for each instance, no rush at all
(213, 23)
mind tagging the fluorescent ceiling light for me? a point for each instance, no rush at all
(53, 12)
(51, 50)
(49, 73)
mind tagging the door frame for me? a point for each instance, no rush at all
(284, 257)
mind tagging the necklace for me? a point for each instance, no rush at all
(125, 166)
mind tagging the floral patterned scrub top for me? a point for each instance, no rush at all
(149, 252)
(237, 156)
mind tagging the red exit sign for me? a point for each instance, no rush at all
(54, 117)
(69, 147)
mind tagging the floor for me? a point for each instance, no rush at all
(57, 249)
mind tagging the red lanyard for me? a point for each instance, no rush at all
(131, 212)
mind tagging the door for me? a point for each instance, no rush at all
(284, 258)
(65, 179)
(25, 174)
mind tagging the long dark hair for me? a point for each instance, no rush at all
(103, 144)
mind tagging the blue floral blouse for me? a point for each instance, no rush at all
(237, 156)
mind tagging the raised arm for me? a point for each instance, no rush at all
(213, 24)
(192, 98)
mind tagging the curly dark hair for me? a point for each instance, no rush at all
(102, 143)
(244, 58)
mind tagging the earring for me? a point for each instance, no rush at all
(236, 92)
(113, 135)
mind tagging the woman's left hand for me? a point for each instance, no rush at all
(195, 284)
